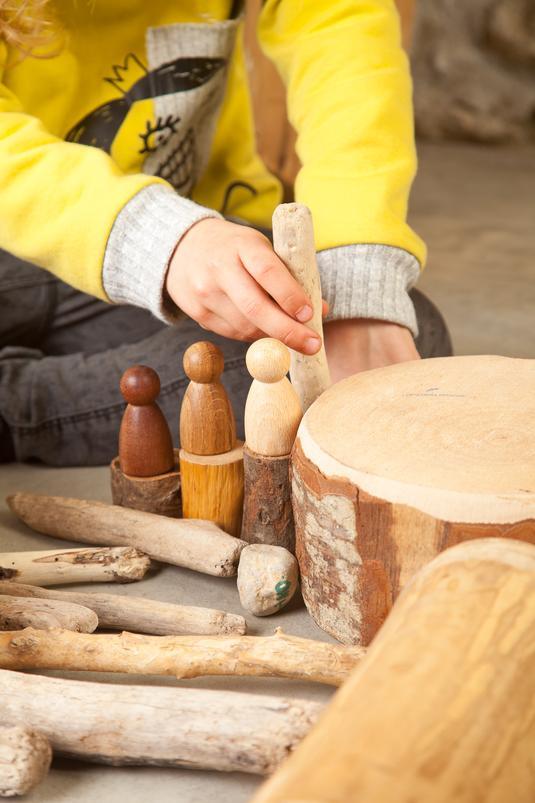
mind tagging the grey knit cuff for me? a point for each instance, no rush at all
(141, 243)
(369, 281)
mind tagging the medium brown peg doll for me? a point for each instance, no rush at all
(211, 460)
(207, 424)
(145, 445)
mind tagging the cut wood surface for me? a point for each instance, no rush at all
(160, 494)
(17, 613)
(25, 757)
(442, 707)
(148, 725)
(194, 544)
(392, 466)
(280, 655)
(139, 615)
(293, 241)
(56, 567)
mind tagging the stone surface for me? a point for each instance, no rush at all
(267, 578)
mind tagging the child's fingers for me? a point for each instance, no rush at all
(324, 308)
(265, 314)
(263, 264)
(241, 327)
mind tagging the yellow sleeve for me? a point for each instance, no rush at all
(349, 99)
(58, 200)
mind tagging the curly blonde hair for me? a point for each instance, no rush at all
(28, 25)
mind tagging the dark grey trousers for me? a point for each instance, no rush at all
(62, 354)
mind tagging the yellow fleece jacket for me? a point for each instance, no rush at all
(84, 131)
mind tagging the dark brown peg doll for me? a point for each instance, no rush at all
(145, 445)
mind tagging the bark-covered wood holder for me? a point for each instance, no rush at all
(272, 416)
(211, 459)
(394, 465)
(145, 475)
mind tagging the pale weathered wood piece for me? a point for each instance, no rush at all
(53, 567)
(17, 613)
(145, 445)
(268, 577)
(212, 488)
(25, 757)
(442, 708)
(293, 241)
(392, 466)
(160, 494)
(272, 416)
(140, 615)
(192, 728)
(194, 544)
(280, 655)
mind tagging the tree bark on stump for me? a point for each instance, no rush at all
(394, 465)
(267, 509)
(159, 494)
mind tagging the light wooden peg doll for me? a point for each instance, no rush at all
(145, 474)
(272, 416)
(211, 459)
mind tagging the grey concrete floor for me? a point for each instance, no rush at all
(475, 208)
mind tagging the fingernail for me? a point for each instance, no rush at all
(304, 314)
(312, 345)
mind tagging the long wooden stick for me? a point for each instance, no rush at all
(194, 728)
(25, 757)
(53, 567)
(442, 708)
(182, 656)
(139, 615)
(293, 241)
(195, 544)
(17, 613)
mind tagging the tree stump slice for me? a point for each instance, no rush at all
(160, 494)
(267, 508)
(392, 466)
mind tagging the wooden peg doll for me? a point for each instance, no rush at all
(211, 459)
(272, 416)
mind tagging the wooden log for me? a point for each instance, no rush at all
(25, 757)
(293, 241)
(181, 656)
(52, 567)
(272, 416)
(392, 466)
(194, 544)
(140, 615)
(442, 708)
(212, 488)
(148, 725)
(267, 507)
(17, 613)
(160, 494)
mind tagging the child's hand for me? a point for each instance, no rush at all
(228, 278)
(361, 344)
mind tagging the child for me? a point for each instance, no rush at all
(126, 141)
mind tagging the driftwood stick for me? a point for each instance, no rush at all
(182, 656)
(193, 543)
(17, 613)
(195, 728)
(53, 567)
(25, 757)
(139, 615)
